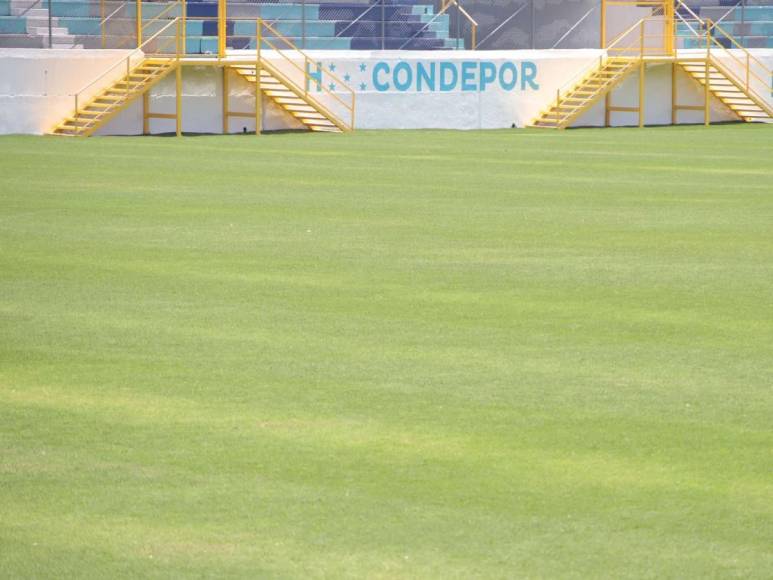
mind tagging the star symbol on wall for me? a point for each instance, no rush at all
(363, 66)
(332, 68)
(332, 86)
(347, 77)
(363, 86)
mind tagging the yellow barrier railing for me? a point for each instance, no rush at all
(754, 71)
(134, 58)
(753, 68)
(347, 102)
(142, 26)
(446, 4)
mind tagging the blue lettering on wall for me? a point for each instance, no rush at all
(528, 75)
(508, 85)
(314, 74)
(428, 78)
(447, 76)
(405, 83)
(488, 74)
(380, 67)
(469, 69)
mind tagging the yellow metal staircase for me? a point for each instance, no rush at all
(714, 59)
(295, 100)
(584, 94)
(724, 87)
(115, 98)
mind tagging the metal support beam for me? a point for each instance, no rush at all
(146, 112)
(642, 68)
(221, 27)
(641, 75)
(226, 99)
(139, 23)
(258, 91)
(184, 31)
(603, 24)
(179, 98)
(674, 96)
(706, 79)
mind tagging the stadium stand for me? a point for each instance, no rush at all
(752, 26)
(391, 24)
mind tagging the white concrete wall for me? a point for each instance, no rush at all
(36, 88)
(37, 85)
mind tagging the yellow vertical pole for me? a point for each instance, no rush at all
(474, 36)
(179, 86)
(226, 97)
(139, 23)
(258, 92)
(748, 67)
(641, 75)
(673, 94)
(706, 103)
(221, 27)
(607, 99)
(670, 32)
(179, 99)
(184, 16)
(603, 31)
(641, 93)
(145, 112)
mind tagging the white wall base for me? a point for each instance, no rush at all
(36, 88)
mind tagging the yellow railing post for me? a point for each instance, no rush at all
(603, 24)
(748, 71)
(139, 23)
(474, 36)
(146, 112)
(641, 39)
(221, 27)
(670, 33)
(226, 99)
(258, 92)
(641, 74)
(178, 86)
(184, 16)
(674, 96)
(706, 78)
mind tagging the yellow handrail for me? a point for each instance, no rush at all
(142, 26)
(350, 107)
(137, 51)
(749, 56)
(712, 44)
(473, 23)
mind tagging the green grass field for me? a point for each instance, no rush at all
(388, 354)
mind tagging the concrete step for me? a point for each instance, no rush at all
(57, 31)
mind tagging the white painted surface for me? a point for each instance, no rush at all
(36, 88)
(37, 85)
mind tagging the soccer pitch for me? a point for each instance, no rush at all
(388, 354)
